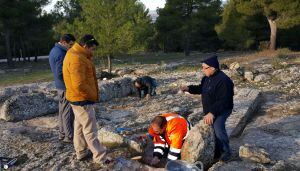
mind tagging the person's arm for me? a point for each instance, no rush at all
(78, 81)
(139, 92)
(223, 94)
(59, 64)
(149, 87)
(196, 89)
(159, 144)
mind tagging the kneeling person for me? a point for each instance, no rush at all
(169, 132)
(145, 86)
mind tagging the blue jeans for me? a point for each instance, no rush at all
(222, 140)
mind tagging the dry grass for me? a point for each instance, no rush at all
(267, 54)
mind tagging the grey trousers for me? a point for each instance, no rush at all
(65, 117)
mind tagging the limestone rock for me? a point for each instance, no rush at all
(237, 165)
(109, 137)
(234, 66)
(116, 88)
(262, 77)
(140, 72)
(265, 68)
(27, 106)
(246, 102)
(122, 164)
(124, 71)
(199, 145)
(254, 153)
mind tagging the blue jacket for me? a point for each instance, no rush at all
(217, 93)
(56, 58)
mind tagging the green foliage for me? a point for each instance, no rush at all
(25, 28)
(119, 26)
(239, 31)
(284, 12)
(244, 23)
(189, 24)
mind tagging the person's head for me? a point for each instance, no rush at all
(210, 66)
(137, 83)
(159, 124)
(89, 42)
(67, 40)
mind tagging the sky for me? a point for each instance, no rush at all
(151, 4)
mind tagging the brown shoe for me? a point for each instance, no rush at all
(86, 156)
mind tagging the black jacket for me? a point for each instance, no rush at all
(217, 93)
(147, 84)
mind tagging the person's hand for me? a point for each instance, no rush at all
(148, 96)
(184, 88)
(209, 118)
(154, 161)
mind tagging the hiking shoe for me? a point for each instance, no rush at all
(68, 140)
(225, 158)
(86, 156)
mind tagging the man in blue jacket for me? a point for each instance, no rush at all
(65, 116)
(217, 91)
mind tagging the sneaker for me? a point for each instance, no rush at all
(226, 157)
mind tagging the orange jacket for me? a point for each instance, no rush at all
(176, 131)
(80, 75)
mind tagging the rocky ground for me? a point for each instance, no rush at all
(266, 117)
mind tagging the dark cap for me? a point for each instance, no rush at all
(212, 61)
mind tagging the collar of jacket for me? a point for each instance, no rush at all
(79, 49)
(215, 73)
(61, 47)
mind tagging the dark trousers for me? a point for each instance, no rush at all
(222, 140)
(65, 117)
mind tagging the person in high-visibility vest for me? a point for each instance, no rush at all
(169, 132)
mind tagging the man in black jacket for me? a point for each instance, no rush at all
(217, 93)
(145, 86)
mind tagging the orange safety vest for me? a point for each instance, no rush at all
(176, 131)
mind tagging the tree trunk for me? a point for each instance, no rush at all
(187, 45)
(8, 49)
(21, 55)
(109, 64)
(273, 28)
(35, 56)
(23, 49)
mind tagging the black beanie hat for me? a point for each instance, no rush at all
(212, 61)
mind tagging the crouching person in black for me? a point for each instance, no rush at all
(145, 86)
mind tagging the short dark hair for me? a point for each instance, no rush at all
(138, 80)
(67, 38)
(159, 121)
(88, 40)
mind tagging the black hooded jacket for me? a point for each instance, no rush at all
(217, 93)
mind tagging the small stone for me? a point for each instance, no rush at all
(234, 66)
(261, 77)
(254, 153)
(249, 76)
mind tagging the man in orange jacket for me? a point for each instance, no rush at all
(169, 132)
(82, 92)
